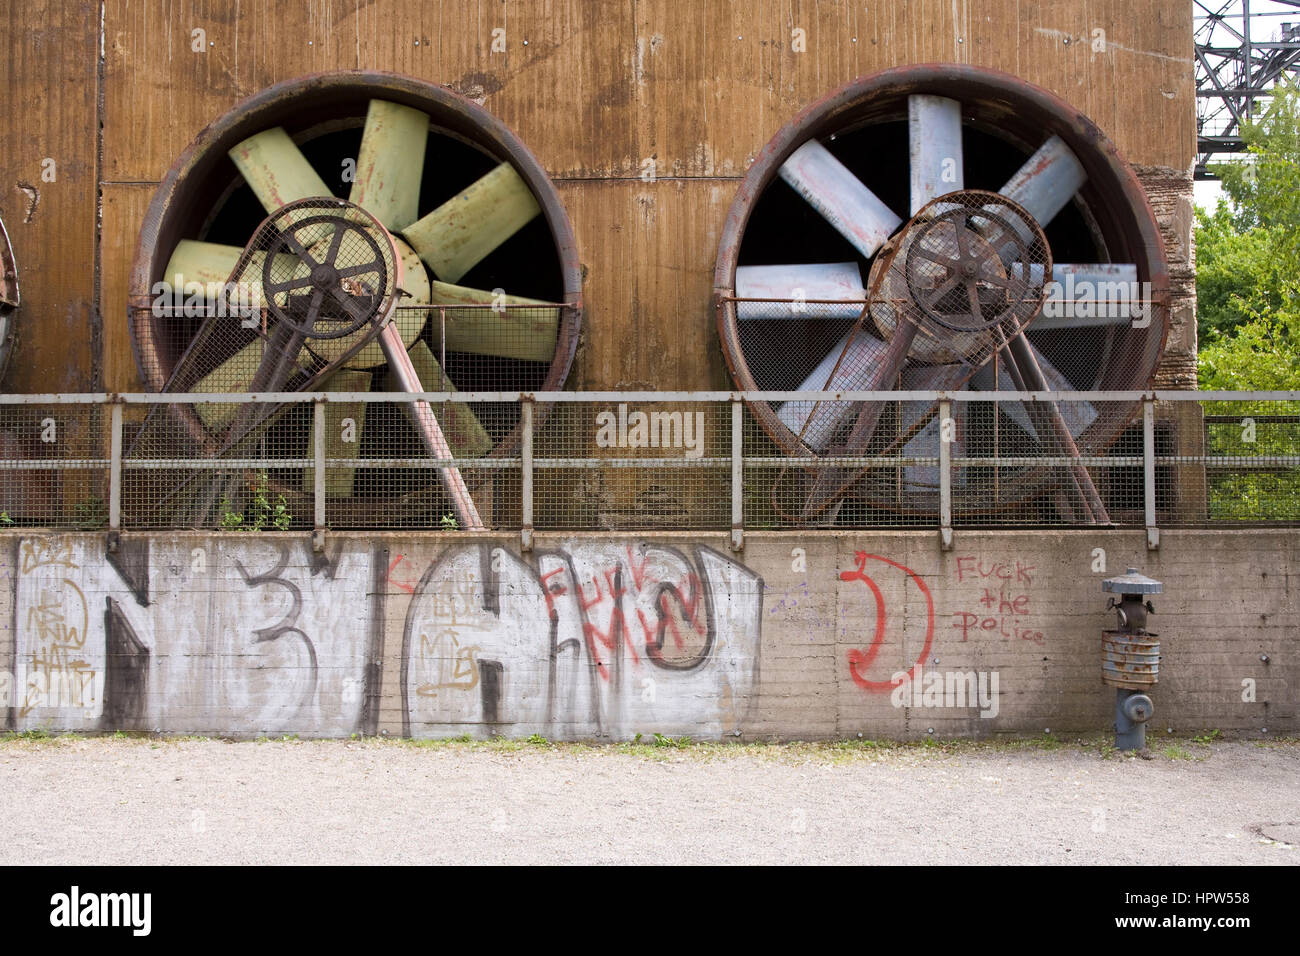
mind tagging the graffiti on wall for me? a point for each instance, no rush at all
(993, 599)
(591, 640)
(863, 662)
(1001, 605)
(58, 666)
(260, 638)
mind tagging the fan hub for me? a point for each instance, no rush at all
(324, 277)
(965, 262)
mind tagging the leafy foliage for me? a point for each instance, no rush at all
(262, 514)
(1248, 314)
(1248, 259)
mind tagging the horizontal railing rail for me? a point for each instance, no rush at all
(964, 478)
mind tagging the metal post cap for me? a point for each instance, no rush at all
(1132, 582)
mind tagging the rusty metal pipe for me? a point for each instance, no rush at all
(399, 364)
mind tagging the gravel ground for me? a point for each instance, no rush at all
(100, 800)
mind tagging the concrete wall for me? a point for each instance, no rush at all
(609, 636)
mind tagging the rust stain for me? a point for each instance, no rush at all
(477, 86)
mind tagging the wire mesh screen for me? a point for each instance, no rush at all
(170, 480)
(379, 473)
(1254, 477)
(646, 464)
(1019, 464)
(634, 465)
(817, 491)
(965, 296)
(55, 466)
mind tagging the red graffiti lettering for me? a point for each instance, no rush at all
(408, 588)
(860, 661)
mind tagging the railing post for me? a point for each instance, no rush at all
(526, 473)
(945, 474)
(115, 467)
(737, 475)
(1149, 471)
(318, 473)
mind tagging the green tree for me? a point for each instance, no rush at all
(1248, 315)
(1248, 259)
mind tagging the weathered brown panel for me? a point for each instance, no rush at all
(50, 82)
(649, 251)
(159, 92)
(598, 89)
(1137, 85)
(124, 208)
(563, 82)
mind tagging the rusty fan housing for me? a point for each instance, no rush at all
(202, 181)
(205, 200)
(1003, 121)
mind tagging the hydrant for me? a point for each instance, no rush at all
(1131, 656)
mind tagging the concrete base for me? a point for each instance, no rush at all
(604, 637)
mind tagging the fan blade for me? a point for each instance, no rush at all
(410, 314)
(210, 265)
(925, 443)
(1076, 415)
(276, 170)
(982, 381)
(528, 334)
(934, 132)
(1023, 365)
(339, 442)
(862, 353)
(805, 286)
(1046, 182)
(466, 436)
(460, 233)
(1087, 295)
(828, 186)
(390, 163)
(233, 375)
(278, 173)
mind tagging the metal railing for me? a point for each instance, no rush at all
(1178, 458)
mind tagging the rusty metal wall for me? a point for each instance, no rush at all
(606, 94)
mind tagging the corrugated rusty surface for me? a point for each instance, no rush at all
(648, 252)
(48, 129)
(124, 208)
(1130, 660)
(599, 89)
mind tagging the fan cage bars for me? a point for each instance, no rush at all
(62, 463)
